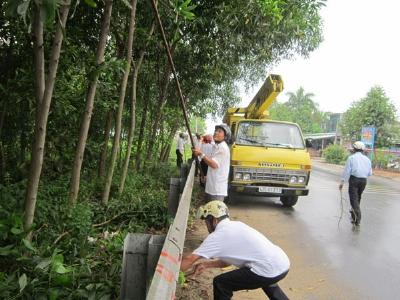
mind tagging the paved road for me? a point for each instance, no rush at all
(330, 259)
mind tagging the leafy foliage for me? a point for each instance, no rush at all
(374, 110)
(381, 159)
(301, 109)
(335, 154)
(70, 256)
(215, 44)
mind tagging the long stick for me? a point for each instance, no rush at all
(178, 86)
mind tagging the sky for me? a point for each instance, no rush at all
(361, 49)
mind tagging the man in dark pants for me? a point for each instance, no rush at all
(357, 170)
(180, 149)
(260, 263)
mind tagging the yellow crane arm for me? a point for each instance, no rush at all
(265, 96)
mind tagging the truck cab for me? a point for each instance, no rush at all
(268, 158)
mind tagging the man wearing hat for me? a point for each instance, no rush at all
(260, 263)
(357, 170)
(218, 162)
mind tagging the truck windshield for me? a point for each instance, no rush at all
(269, 134)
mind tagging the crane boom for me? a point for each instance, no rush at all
(265, 96)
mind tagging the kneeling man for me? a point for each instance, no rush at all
(260, 263)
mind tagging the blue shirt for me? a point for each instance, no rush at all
(357, 165)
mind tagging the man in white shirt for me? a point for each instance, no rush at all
(260, 263)
(207, 149)
(219, 161)
(197, 140)
(357, 170)
(179, 150)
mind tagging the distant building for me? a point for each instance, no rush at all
(333, 121)
(331, 134)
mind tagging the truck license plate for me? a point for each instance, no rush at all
(270, 189)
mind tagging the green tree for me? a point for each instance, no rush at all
(198, 125)
(121, 100)
(376, 110)
(42, 100)
(301, 109)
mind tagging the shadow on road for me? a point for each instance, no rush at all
(254, 202)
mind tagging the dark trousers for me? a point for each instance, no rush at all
(244, 279)
(179, 159)
(204, 167)
(196, 170)
(356, 188)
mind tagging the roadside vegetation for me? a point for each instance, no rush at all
(76, 251)
(88, 113)
(335, 154)
(375, 109)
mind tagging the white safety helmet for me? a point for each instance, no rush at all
(215, 208)
(227, 130)
(359, 145)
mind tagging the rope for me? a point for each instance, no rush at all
(341, 208)
(342, 199)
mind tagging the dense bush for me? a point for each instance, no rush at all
(76, 252)
(335, 154)
(381, 160)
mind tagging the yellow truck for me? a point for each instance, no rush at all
(268, 158)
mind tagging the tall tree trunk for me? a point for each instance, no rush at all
(131, 132)
(38, 53)
(118, 121)
(103, 157)
(121, 147)
(161, 137)
(2, 155)
(86, 118)
(141, 130)
(131, 125)
(25, 141)
(167, 148)
(159, 110)
(41, 123)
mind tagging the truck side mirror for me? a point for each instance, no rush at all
(309, 143)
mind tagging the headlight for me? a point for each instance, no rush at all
(293, 179)
(238, 176)
(246, 176)
(302, 179)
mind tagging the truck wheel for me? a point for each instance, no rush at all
(289, 201)
(230, 198)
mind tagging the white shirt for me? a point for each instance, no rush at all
(238, 244)
(196, 142)
(357, 165)
(217, 179)
(207, 149)
(180, 144)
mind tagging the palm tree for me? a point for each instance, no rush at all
(305, 111)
